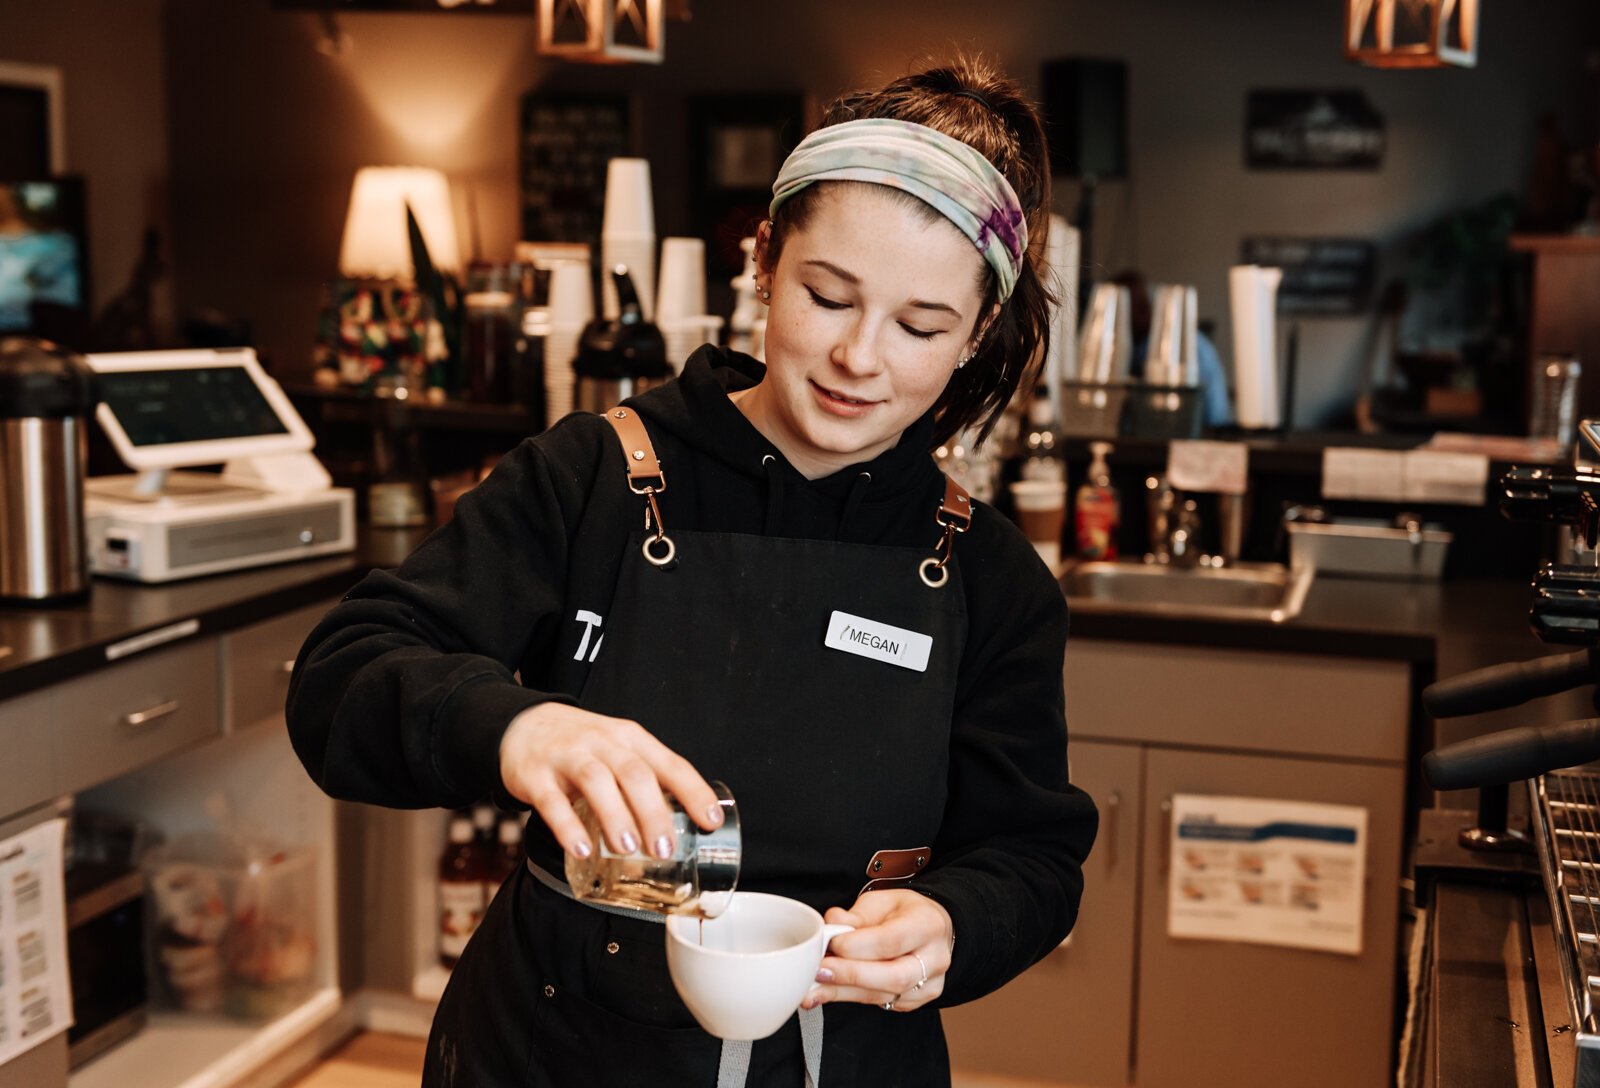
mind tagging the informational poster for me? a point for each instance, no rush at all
(1322, 277)
(1287, 873)
(35, 993)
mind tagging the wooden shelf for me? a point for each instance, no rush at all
(1574, 244)
(187, 1050)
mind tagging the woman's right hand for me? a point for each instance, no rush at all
(553, 753)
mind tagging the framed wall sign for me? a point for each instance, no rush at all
(1321, 276)
(1312, 130)
(736, 145)
(565, 142)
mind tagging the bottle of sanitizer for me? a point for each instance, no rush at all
(1096, 515)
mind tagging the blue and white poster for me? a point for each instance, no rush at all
(1289, 873)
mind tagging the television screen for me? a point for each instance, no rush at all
(42, 254)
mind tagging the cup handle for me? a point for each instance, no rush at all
(829, 932)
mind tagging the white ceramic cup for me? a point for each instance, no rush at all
(745, 972)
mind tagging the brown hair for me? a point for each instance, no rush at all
(974, 102)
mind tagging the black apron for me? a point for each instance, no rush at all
(831, 756)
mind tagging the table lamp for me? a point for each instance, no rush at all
(387, 323)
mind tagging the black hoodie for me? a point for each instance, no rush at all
(402, 693)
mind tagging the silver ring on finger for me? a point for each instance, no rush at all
(888, 1006)
(923, 981)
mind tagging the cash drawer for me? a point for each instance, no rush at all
(120, 718)
(259, 658)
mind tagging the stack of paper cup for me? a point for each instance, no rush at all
(571, 308)
(1105, 348)
(1174, 358)
(628, 233)
(681, 291)
(1062, 254)
(1253, 294)
(685, 335)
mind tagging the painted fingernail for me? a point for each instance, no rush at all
(630, 842)
(663, 847)
(714, 815)
(581, 848)
(824, 974)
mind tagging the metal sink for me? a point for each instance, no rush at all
(1258, 591)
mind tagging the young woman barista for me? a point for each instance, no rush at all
(566, 635)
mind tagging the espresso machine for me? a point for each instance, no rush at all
(1506, 969)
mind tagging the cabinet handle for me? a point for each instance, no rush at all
(1113, 806)
(1164, 856)
(145, 717)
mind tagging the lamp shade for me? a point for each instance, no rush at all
(376, 243)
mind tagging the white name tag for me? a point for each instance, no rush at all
(879, 641)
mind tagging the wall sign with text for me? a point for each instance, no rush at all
(1312, 130)
(1327, 276)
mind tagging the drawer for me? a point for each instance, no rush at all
(120, 718)
(1345, 707)
(258, 660)
(27, 770)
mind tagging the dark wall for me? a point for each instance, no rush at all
(267, 131)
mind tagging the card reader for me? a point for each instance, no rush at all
(169, 410)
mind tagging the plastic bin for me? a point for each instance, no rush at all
(233, 924)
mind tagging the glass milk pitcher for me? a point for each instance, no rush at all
(698, 878)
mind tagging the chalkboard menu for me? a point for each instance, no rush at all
(1321, 276)
(566, 141)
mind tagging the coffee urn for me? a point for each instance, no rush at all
(46, 396)
(618, 359)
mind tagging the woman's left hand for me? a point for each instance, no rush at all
(899, 952)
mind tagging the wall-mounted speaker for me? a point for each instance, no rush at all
(1086, 116)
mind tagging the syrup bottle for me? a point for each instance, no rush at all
(461, 898)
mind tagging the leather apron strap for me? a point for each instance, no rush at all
(733, 1067)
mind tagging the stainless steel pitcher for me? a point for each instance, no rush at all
(46, 396)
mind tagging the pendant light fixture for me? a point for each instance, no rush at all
(602, 31)
(1411, 33)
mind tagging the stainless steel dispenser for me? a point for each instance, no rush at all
(46, 396)
(618, 359)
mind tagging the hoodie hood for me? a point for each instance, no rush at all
(696, 409)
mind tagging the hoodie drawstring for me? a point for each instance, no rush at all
(774, 471)
(858, 488)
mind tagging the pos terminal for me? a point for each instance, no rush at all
(169, 410)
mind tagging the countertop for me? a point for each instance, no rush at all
(1452, 625)
(50, 645)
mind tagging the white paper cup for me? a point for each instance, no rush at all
(685, 335)
(571, 294)
(681, 292)
(628, 206)
(745, 972)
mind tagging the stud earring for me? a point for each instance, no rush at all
(766, 296)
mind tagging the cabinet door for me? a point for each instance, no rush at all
(1069, 1018)
(1215, 1013)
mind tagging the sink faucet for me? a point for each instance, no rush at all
(1174, 523)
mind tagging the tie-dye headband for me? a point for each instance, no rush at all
(942, 171)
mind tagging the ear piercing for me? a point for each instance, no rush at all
(766, 296)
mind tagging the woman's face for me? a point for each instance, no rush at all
(872, 306)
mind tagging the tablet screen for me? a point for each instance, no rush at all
(188, 404)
